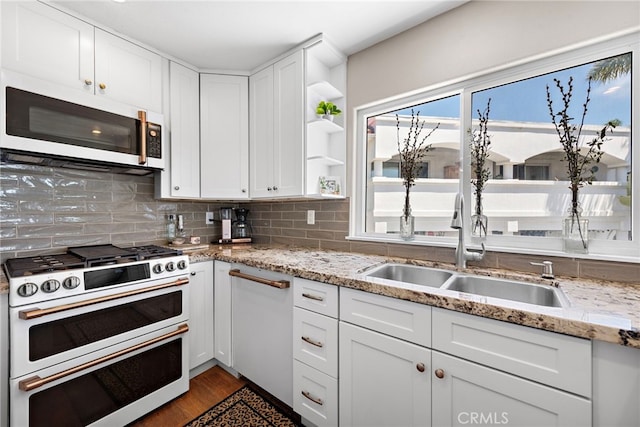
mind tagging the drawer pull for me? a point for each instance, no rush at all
(420, 367)
(280, 284)
(312, 342)
(439, 373)
(313, 297)
(311, 398)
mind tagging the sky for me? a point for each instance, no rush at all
(527, 100)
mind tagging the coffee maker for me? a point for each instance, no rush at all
(225, 217)
(241, 229)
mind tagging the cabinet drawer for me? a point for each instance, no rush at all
(401, 319)
(315, 340)
(316, 296)
(315, 395)
(553, 359)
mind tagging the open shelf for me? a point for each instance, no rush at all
(327, 160)
(325, 90)
(325, 125)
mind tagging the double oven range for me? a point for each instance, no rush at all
(98, 335)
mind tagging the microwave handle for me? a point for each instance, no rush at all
(142, 115)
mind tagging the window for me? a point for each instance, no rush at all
(526, 195)
(437, 176)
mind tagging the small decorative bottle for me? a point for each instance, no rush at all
(171, 228)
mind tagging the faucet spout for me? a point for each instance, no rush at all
(457, 223)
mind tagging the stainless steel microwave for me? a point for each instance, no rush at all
(45, 120)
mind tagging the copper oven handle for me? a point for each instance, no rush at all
(142, 115)
(280, 284)
(37, 312)
(35, 382)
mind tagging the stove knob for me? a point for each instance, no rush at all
(71, 282)
(27, 289)
(170, 266)
(50, 285)
(158, 268)
(182, 265)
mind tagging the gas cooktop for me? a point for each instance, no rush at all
(83, 257)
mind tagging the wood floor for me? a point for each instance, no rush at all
(205, 390)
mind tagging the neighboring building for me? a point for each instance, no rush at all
(528, 191)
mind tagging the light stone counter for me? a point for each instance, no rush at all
(605, 311)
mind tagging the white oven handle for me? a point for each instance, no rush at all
(35, 381)
(37, 312)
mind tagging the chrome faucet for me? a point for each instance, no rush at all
(462, 254)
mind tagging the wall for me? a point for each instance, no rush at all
(45, 210)
(476, 37)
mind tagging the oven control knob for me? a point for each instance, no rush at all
(71, 282)
(27, 289)
(158, 268)
(171, 266)
(182, 265)
(50, 285)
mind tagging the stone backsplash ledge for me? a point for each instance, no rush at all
(44, 210)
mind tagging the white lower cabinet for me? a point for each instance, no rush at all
(201, 329)
(222, 313)
(384, 381)
(315, 352)
(466, 393)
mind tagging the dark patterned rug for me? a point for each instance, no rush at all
(243, 408)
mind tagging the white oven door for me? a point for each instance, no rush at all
(52, 332)
(100, 388)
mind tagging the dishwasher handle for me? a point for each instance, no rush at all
(280, 284)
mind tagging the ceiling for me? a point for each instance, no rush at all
(239, 35)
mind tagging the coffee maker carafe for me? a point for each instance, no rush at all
(241, 228)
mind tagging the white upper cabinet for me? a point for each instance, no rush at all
(127, 73)
(40, 41)
(307, 152)
(277, 129)
(182, 179)
(224, 139)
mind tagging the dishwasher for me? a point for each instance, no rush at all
(262, 329)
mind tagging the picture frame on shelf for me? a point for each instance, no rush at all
(329, 185)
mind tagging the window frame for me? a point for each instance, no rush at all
(568, 57)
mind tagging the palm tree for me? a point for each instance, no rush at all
(610, 68)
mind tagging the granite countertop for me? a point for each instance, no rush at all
(606, 311)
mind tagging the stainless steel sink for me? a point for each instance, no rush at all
(414, 274)
(529, 293)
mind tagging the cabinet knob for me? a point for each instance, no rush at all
(102, 86)
(177, 187)
(88, 82)
(244, 190)
(420, 367)
(269, 189)
(439, 373)
(193, 273)
(275, 188)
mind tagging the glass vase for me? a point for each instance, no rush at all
(479, 223)
(407, 222)
(575, 233)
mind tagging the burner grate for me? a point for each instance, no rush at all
(153, 251)
(18, 267)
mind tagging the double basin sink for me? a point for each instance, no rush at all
(504, 289)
